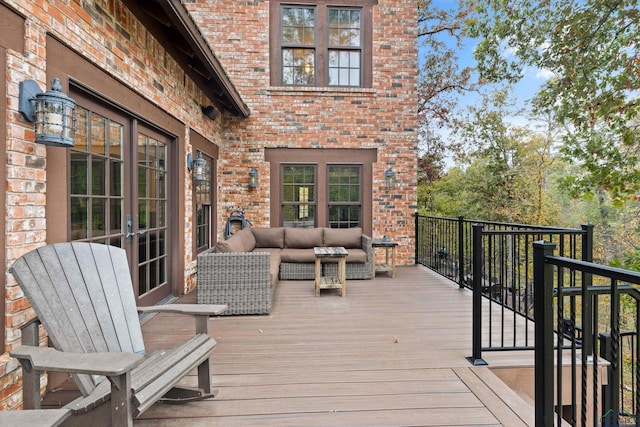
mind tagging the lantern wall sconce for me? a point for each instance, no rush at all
(253, 178)
(390, 178)
(53, 112)
(197, 167)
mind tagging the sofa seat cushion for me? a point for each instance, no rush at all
(355, 256)
(269, 237)
(303, 238)
(298, 255)
(274, 267)
(348, 238)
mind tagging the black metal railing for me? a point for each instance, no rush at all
(589, 310)
(571, 384)
(495, 260)
(503, 273)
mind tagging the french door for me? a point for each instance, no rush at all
(119, 194)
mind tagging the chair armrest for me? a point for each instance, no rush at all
(201, 312)
(190, 309)
(49, 359)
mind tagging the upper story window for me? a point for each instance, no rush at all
(298, 46)
(314, 43)
(345, 47)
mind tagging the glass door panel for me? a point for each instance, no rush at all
(96, 169)
(118, 195)
(151, 216)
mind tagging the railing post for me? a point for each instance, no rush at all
(461, 252)
(608, 412)
(543, 315)
(416, 227)
(476, 357)
(587, 301)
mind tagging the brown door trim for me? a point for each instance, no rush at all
(79, 75)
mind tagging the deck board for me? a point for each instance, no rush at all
(391, 353)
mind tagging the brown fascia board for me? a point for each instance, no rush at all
(176, 31)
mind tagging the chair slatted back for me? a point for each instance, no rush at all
(83, 296)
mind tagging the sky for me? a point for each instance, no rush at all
(522, 92)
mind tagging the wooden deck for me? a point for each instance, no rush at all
(391, 353)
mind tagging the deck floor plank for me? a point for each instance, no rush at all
(391, 353)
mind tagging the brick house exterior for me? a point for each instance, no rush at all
(141, 72)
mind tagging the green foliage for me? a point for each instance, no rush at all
(585, 168)
(592, 49)
(448, 196)
(507, 165)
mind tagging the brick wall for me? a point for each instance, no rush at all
(107, 35)
(383, 117)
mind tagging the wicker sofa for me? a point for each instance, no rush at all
(243, 271)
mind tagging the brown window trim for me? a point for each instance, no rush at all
(322, 157)
(321, 65)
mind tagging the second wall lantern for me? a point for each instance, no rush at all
(253, 178)
(390, 178)
(197, 167)
(53, 112)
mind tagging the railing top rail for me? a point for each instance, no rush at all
(595, 269)
(438, 217)
(502, 224)
(570, 231)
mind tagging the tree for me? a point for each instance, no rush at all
(441, 79)
(591, 48)
(509, 164)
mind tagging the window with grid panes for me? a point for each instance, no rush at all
(96, 172)
(322, 43)
(203, 201)
(299, 196)
(344, 196)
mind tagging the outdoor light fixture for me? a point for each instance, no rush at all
(390, 178)
(253, 178)
(211, 112)
(53, 112)
(197, 166)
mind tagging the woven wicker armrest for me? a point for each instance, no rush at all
(366, 246)
(238, 279)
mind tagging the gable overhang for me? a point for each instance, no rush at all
(172, 25)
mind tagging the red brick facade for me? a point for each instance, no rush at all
(109, 37)
(382, 117)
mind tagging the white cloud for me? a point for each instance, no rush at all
(544, 73)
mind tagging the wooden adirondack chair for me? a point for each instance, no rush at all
(83, 295)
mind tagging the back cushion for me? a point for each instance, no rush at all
(269, 237)
(302, 238)
(345, 237)
(248, 241)
(232, 244)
